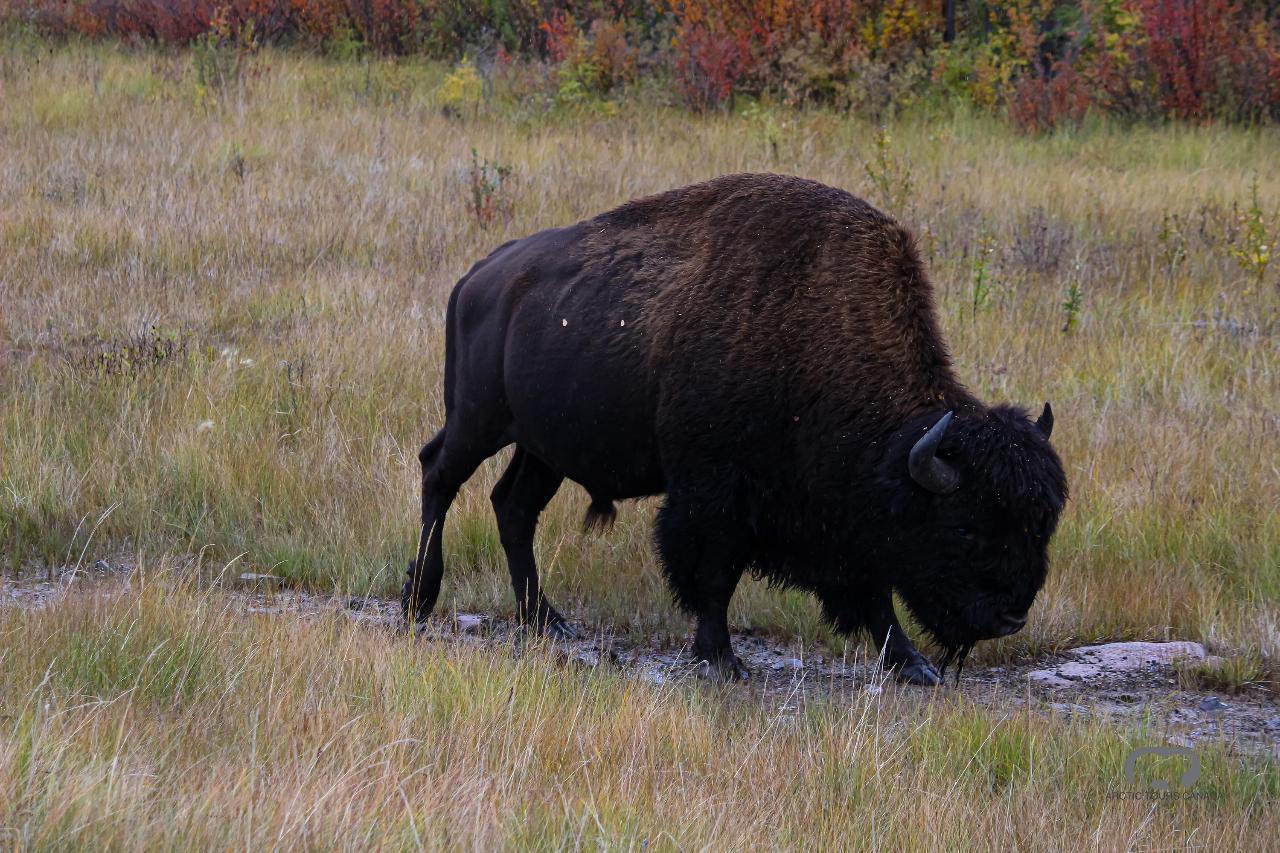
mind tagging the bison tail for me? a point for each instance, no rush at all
(600, 516)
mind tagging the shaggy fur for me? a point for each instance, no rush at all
(765, 351)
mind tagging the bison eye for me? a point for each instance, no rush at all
(963, 533)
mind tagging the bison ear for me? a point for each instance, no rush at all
(1045, 421)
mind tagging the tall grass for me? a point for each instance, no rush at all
(167, 718)
(298, 241)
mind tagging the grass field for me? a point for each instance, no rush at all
(165, 720)
(221, 346)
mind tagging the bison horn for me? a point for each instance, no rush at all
(1045, 421)
(925, 466)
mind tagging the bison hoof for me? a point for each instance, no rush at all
(412, 629)
(558, 629)
(551, 625)
(725, 671)
(919, 672)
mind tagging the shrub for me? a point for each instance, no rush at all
(488, 184)
(461, 88)
(1043, 62)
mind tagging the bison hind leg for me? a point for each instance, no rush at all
(519, 497)
(600, 516)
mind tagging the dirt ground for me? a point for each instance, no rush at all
(783, 674)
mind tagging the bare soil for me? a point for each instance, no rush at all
(783, 674)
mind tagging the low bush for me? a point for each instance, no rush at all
(1044, 63)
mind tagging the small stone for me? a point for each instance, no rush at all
(1048, 678)
(469, 623)
(1077, 671)
(1068, 709)
(1272, 724)
(873, 689)
(256, 579)
(1213, 705)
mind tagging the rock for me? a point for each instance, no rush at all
(1123, 657)
(255, 579)
(1075, 670)
(1213, 705)
(469, 623)
(1048, 678)
(1071, 709)
(1114, 659)
(873, 689)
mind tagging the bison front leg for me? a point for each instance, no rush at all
(703, 564)
(900, 655)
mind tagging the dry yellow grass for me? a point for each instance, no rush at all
(293, 241)
(167, 718)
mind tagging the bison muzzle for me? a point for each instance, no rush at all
(764, 351)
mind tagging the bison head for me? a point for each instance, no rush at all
(978, 497)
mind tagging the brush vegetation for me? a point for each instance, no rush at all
(221, 348)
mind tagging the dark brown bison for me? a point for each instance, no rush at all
(764, 351)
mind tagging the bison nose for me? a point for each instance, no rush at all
(1010, 624)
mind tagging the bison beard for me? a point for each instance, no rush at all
(762, 350)
(956, 654)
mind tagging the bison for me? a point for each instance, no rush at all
(764, 351)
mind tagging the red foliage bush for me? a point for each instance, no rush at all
(1046, 61)
(1211, 58)
(182, 21)
(710, 63)
(561, 35)
(1042, 102)
(1184, 59)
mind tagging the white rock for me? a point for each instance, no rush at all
(1122, 657)
(1048, 678)
(1075, 670)
(260, 579)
